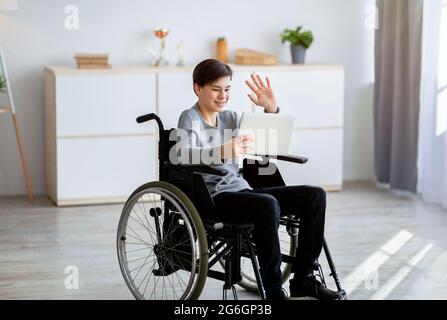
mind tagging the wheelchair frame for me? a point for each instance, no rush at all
(230, 241)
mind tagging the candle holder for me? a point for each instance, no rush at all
(161, 34)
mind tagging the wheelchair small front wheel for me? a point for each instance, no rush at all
(161, 244)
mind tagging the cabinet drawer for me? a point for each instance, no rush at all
(314, 97)
(104, 167)
(324, 148)
(103, 104)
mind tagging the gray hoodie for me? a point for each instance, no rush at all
(201, 145)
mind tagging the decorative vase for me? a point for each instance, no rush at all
(298, 53)
(222, 50)
(161, 33)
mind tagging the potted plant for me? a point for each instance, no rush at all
(2, 84)
(300, 41)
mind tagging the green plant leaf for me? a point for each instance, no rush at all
(306, 39)
(296, 37)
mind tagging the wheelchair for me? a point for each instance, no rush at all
(167, 245)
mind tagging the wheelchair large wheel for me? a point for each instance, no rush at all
(288, 238)
(161, 244)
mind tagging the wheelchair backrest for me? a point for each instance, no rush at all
(193, 186)
(165, 145)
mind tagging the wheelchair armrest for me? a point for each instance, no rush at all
(196, 169)
(288, 158)
(295, 159)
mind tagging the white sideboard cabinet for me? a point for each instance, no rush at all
(97, 153)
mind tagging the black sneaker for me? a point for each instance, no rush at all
(311, 287)
(278, 295)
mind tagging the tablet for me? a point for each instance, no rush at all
(272, 132)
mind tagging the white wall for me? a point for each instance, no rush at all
(35, 36)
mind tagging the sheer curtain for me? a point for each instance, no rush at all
(432, 160)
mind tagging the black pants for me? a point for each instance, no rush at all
(263, 207)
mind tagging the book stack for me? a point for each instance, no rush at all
(92, 61)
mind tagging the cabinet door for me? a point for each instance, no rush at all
(324, 148)
(104, 104)
(96, 168)
(175, 94)
(314, 97)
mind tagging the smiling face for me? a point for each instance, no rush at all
(214, 96)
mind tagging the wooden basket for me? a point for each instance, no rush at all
(92, 61)
(252, 57)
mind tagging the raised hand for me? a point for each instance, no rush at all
(263, 93)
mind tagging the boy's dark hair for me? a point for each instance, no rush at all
(210, 70)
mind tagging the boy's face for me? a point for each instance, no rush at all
(214, 96)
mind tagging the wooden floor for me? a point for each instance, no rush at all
(384, 246)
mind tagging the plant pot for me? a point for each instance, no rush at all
(298, 53)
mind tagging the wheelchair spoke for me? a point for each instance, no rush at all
(133, 260)
(171, 249)
(135, 236)
(148, 228)
(147, 282)
(136, 243)
(167, 234)
(144, 263)
(138, 238)
(151, 231)
(181, 243)
(177, 275)
(172, 286)
(155, 287)
(147, 273)
(177, 227)
(157, 220)
(142, 224)
(140, 267)
(144, 213)
(144, 208)
(183, 267)
(135, 250)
